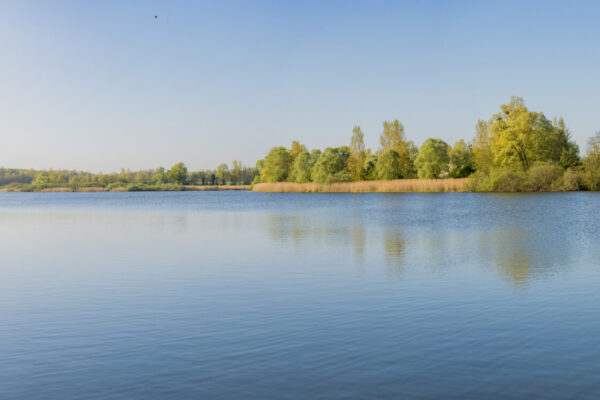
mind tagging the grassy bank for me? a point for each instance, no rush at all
(121, 188)
(393, 186)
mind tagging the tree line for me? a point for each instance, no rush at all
(514, 150)
(158, 179)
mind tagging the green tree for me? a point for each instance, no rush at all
(301, 168)
(236, 172)
(41, 178)
(276, 167)
(159, 177)
(433, 159)
(222, 174)
(407, 160)
(394, 138)
(178, 174)
(358, 154)
(522, 137)
(461, 160)
(483, 156)
(296, 149)
(591, 163)
(331, 166)
(388, 166)
(569, 151)
(370, 167)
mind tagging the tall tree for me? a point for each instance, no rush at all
(387, 165)
(591, 163)
(461, 160)
(296, 149)
(522, 137)
(178, 174)
(276, 167)
(433, 159)
(483, 156)
(301, 168)
(358, 154)
(392, 136)
(222, 173)
(236, 172)
(331, 166)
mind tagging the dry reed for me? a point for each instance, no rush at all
(218, 187)
(394, 186)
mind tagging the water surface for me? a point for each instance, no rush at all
(228, 295)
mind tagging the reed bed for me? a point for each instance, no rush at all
(394, 186)
(218, 187)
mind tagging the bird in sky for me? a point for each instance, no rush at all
(156, 17)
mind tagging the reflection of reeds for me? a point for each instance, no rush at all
(395, 186)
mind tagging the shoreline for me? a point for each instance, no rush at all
(90, 189)
(391, 186)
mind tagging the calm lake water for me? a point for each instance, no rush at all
(233, 295)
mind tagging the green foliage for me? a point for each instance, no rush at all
(572, 180)
(338, 177)
(393, 138)
(461, 160)
(483, 156)
(501, 179)
(330, 165)
(223, 174)
(370, 167)
(159, 177)
(591, 164)
(522, 137)
(32, 180)
(544, 178)
(388, 167)
(358, 154)
(276, 166)
(301, 168)
(178, 174)
(236, 172)
(432, 161)
(296, 149)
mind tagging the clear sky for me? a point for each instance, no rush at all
(100, 85)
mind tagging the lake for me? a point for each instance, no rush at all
(233, 295)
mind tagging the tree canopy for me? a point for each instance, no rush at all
(433, 159)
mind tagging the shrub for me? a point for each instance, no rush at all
(544, 177)
(338, 177)
(571, 181)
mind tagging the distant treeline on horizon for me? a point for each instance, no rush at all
(160, 178)
(515, 150)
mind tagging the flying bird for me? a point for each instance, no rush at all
(156, 16)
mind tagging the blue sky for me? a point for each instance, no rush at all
(104, 85)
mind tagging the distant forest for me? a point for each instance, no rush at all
(176, 178)
(514, 150)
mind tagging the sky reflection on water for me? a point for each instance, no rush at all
(229, 295)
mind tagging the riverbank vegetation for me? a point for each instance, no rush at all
(176, 178)
(391, 186)
(515, 150)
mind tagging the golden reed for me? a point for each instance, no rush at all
(395, 186)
